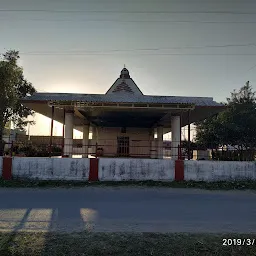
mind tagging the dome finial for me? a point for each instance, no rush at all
(124, 73)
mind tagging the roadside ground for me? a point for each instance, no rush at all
(126, 244)
(217, 185)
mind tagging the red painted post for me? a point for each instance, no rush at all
(179, 170)
(7, 168)
(94, 167)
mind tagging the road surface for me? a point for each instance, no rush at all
(127, 209)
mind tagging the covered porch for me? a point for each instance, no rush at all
(130, 130)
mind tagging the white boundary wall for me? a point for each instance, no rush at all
(219, 170)
(117, 169)
(1, 166)
(51, 168)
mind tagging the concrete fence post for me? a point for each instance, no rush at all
(94, 169)
(179, 170)
(7, 168)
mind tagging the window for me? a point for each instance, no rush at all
(123, 146)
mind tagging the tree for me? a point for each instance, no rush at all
(13, 88)
(187, 149)
(236, 126)
(241, 117)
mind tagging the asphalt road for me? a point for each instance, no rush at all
(127, 209)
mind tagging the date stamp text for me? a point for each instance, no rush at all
(238, 241)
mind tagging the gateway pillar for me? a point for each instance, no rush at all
(176, 136)
(68, 141)
(189, 143)
(94, 140)
(160, 134)
(152, 143)
(85, 140)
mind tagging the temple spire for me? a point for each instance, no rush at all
(125, 73)
(124, 84)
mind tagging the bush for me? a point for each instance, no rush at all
(31, 150)
(234, 155)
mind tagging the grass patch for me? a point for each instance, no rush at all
(218, 185)
(145, 244)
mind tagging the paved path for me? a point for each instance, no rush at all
(127, 209)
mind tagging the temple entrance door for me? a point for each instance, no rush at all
(123, 146)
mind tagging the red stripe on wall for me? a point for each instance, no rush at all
(94, 166)
(179, 170)
(7, 168)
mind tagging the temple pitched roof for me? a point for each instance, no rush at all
(124, 90)
(124, 85)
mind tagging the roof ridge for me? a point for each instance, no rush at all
(176, 96)
(131, 95)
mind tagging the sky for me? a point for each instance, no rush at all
(171, 47)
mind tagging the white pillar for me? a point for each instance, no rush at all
(94, 133)
(152, 143)
(160, 133)
(85, 140)
(176, 134)
(68, 141)
(94, 140)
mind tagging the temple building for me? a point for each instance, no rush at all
(124, 122)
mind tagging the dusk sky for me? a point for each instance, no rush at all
(185, 48)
